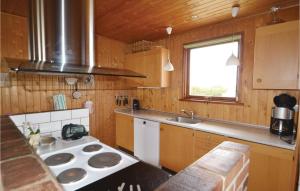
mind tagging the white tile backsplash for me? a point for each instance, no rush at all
(60, 115)
(21, 129)
(85, 121)
(45, 127)
(56, 134)
(49, 127)
(78, 113)
(26, 132)
(74, 121)
(51, 123)
(35, 118)
(18, 119)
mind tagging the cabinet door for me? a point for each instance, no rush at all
(152, 63)
(270, 167)
(149, 63)
(276, 58)
(124, 131)
(176, 147)
(204, 142)
(134, 63)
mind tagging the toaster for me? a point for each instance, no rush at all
(73, 131)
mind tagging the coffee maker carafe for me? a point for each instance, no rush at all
(282, 118)
(282, 121)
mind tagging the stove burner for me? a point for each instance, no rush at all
(106, 159)
(92, 148)
(71, 175)
(59, 159)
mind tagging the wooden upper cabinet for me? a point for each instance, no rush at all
(124, 131)
(276, 56)
(150, 63)
(176, 147)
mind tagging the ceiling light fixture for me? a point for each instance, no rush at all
(169, 66)
(194, 17)
(275, 18)
(233, 60)
(235, 10)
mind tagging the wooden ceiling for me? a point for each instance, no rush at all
(134, 20)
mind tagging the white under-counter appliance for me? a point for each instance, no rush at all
(146, 140)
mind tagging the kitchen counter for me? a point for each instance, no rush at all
(247, 132)
(21, 168)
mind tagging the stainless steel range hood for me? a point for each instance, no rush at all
(62, 40)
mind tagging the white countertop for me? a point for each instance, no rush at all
(247, 132)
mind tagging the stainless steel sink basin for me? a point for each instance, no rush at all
(184, 120)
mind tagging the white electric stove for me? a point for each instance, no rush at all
(78, 163)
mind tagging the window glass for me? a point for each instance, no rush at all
(209, 76)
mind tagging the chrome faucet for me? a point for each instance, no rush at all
(188, 113)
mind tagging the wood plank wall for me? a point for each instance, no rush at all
(33, 93)
(257, 103)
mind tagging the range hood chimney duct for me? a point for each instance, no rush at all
(61, 40)
(62, 32)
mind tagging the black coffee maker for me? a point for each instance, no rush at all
(282, 119)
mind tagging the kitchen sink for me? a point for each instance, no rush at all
(184, 120)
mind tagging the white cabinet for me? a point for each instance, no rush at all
(146, 141)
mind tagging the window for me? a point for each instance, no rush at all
(207, 75)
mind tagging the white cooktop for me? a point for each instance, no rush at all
(62, 144)
(81, 160)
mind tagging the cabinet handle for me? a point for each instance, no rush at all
(144, 122)
(259, 80)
